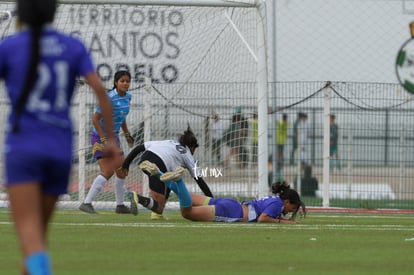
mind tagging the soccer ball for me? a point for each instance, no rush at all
(405, 66)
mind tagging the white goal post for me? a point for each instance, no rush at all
(228, 52)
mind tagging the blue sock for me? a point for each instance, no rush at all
(38, 263)
(183, 194)
(170, 184)
(181, 190)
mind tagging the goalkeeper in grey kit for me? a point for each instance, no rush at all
(167, 155)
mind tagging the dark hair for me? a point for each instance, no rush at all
(120, 74)
(188, 138)
(35, 14)
(283, 190)
(307, 171)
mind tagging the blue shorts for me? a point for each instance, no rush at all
(227, 210)
(52, 172)
(97, 147)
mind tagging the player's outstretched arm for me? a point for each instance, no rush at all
(204, 187)
(132, 155)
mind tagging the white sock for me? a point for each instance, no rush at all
(151, 204)
(119, 190)
(96, 187)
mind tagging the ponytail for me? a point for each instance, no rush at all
(279, 187)
(188, 138)
(283, 190)
(35, 14)
(31, 74)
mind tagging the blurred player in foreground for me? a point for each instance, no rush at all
(168, 155)
(40, 66)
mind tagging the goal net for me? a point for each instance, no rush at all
(188, 65)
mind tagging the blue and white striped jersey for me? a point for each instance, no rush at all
(120, 109)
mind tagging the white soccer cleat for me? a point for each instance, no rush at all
(149, 167)
(173, 176)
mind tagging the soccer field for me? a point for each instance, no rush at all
(124, 244)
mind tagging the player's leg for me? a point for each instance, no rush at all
(292, 153)
(218, 210)
(338, 162)
(199, 199)
(199, 213)
(174, 180)
(26, 209)
(106, 172)
(120, 190)
(31, 209)
(97, 186)
(153, 166)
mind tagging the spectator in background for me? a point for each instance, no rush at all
(217, 132)
(235, 137)
(295, 138)
(255, 136)
(231, 139)
(308, 184)
(303, 135)
(244, 133)
(333, 144)
(281, 136)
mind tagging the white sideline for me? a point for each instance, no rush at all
(65, 203)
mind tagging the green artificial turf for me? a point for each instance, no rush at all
(124, 244)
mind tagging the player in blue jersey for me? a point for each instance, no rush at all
(271, 209)
(197, 207)
(40, 66)
(121, 101)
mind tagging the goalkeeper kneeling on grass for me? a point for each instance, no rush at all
(195, 207)
(161, 157)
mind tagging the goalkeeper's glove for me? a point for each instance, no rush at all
(129, 139)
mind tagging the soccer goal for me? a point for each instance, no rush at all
(189, 60)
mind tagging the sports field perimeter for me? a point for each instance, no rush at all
(323, 243)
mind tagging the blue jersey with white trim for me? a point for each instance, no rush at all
(271, 205)
(44, 124)
(120, 110)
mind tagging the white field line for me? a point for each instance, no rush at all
(372, 227)
(361, 216)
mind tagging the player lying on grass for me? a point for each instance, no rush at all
(167, 155)
(195, 207)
